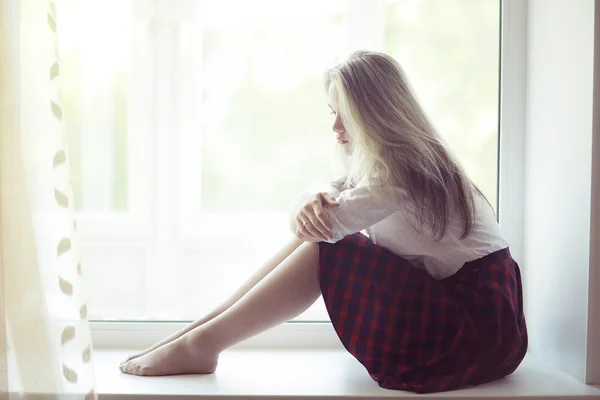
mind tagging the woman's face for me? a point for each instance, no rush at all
(342, 136)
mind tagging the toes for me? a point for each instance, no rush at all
(130, 368)
(141, 370)
(124, 366)
(127, 360)
(133, 368)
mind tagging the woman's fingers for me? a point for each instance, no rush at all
(309, 222)
(313, 222)
(307, 229)
(329, 200)
(320, 220)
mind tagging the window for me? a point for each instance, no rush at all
(193, 124)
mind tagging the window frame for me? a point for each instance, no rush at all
(511, 168)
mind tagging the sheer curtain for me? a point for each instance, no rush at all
(45, 345)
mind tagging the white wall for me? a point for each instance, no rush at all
(593, 351)
(558, 179)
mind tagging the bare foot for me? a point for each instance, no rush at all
(141, 353)
(170, 338)
(163, 342)
(181, 356)
(144, 352)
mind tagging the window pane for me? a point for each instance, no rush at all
(228, 114)
(265, 119)
(95, 78)
(450, 52)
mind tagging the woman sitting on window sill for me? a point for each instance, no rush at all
(431, 300)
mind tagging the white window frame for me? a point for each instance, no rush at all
(294, 334)
(512, 123)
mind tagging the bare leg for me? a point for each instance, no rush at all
(263, 271)
(283, 294)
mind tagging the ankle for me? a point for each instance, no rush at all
(201, 341)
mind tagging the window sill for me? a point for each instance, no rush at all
(313, 374)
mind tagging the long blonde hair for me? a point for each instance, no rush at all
(393, 142)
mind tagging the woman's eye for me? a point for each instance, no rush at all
(332, 112)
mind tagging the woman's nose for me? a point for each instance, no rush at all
(338, 126)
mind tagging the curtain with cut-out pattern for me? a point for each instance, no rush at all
(45, 343)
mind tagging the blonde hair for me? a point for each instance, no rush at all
(393, 142)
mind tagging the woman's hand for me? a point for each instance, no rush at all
(312, 223)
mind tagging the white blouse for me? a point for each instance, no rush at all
(391, 224)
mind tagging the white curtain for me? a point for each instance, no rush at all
(45, 344)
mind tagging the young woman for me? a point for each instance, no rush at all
(430, 300)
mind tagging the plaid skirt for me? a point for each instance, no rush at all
(412, 332)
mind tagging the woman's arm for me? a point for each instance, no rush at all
(360, 208)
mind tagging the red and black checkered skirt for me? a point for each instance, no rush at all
(412, 332)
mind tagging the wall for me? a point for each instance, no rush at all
(557, 181)
(593, 360)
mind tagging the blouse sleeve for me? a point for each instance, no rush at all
(360, 208)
